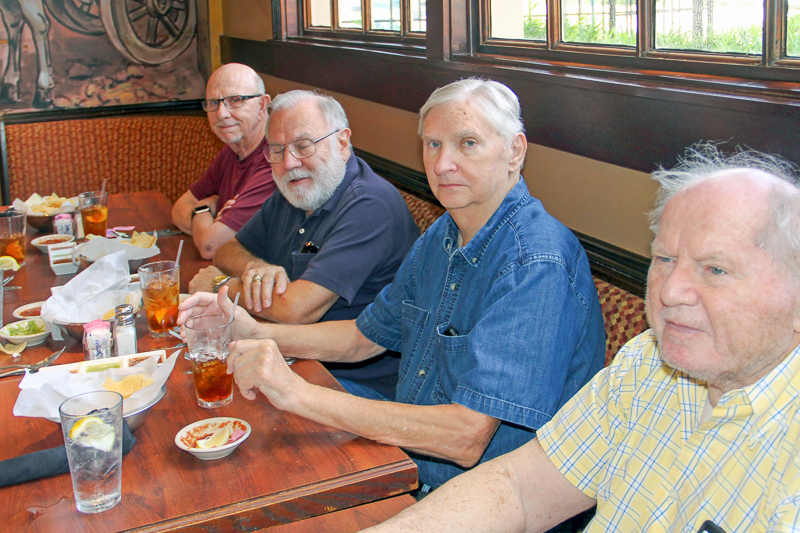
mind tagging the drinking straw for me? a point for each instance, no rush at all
(235, 303)
(103, 188)
(178, 258)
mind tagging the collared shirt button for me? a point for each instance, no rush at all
(453, 286)
(474, 259)
(447, 247)
(421, 372)
(302, 230)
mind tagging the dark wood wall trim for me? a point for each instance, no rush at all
(610, 263)
(634, 122)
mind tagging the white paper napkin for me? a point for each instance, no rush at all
(91, 294)
(99, 247)
(41, 393)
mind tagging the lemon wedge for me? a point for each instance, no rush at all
(219, 438)
(92, 432)
(13, 349)
(8, 263)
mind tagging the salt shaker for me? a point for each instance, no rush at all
(125, 330)
(97, 342)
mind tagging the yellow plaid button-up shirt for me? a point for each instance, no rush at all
(630, 440)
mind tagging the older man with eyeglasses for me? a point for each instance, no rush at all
(239, 179)
(324, 245)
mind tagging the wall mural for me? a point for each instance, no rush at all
(90, 53)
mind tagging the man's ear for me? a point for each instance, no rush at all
(344, 143)
(263, 102)
(519, 146)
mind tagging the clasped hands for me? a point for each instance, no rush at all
(259, 279)
(255, 360)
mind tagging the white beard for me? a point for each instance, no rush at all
(324, 181)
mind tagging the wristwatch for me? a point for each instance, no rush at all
(218, 282)
(200, 209)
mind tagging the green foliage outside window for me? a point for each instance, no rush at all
(742, 40)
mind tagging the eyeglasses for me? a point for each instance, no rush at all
(231, 102)
(300, 149)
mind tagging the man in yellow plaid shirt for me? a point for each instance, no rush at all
(697, 419)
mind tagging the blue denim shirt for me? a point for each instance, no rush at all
(528, 331)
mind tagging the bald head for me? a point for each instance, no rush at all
(746, 184)
(238, 75)
(240, 124)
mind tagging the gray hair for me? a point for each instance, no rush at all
(780, 236)
(331, 109)
(492, 101)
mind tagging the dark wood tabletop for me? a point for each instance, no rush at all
(289, 469)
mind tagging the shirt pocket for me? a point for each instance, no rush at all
(413, 327)
(452, 360)
(300, 263)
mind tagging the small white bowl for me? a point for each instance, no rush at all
(32, 340)
(18, 311)
(42, 242)
(188, 436)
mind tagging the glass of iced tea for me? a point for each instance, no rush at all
(12, 235)
(161, 287)
(94, 212)
(209, 338)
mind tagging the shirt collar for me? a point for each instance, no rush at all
(475, 249)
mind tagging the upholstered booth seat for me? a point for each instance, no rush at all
(164, 152)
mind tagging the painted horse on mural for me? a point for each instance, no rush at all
(15, 14)
(147, 32)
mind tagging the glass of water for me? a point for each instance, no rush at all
(92, 426)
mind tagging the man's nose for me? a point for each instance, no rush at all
(445, 163)
(290, 161)
(222, 111)
(680, 286)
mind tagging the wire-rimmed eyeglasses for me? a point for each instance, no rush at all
(300, 149)
(231, 102)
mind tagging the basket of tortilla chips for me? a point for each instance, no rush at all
(42, 210)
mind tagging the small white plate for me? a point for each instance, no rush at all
(188, 436)
(42, 242)
(18, 311)
(32, 340)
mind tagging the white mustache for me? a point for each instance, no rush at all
(674, 315)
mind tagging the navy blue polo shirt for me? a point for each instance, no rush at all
(362, 234)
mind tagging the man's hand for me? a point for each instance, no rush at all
(228, 204)
(258, 291)
(206, 303)
(202, 280)
(259, 365)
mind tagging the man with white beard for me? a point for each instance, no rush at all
(324, 245)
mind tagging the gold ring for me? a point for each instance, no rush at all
(257, 278)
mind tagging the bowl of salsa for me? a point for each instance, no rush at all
(26, 311)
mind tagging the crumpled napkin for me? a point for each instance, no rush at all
(42, 392)
(91, 294)
(98, 247)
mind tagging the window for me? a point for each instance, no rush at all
(732, 31)
(388, 18)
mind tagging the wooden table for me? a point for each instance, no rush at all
(289, 469)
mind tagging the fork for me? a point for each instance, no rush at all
(12, 370)
(7, 280)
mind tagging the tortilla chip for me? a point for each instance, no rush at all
(127, 385)
(142, 240)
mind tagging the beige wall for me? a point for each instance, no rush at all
(598, 199)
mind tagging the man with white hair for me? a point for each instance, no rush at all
(696, 422)
(494, 310)
(239, 179)
(324, 245)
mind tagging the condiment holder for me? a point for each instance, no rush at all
(63, 260)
